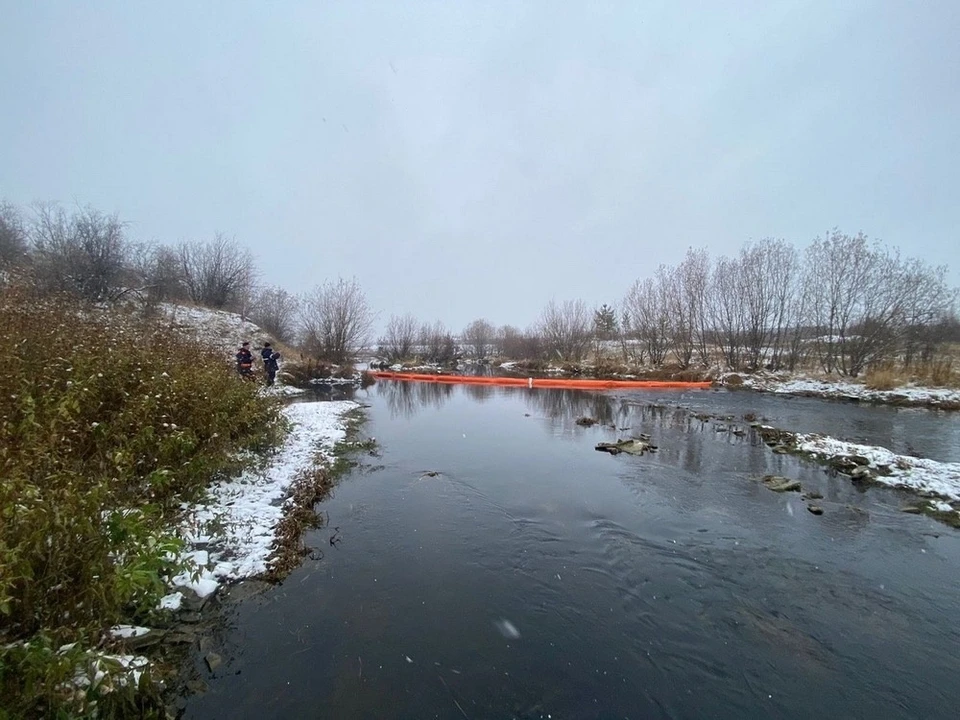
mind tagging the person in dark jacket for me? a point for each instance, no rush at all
(245, 360)
(270, 363)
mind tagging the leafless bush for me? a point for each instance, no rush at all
(436, 343)
(514, 344)
(565, 330)
(478, 338)
(84, 253)
(928, 312)
(335, 320)
(275, 311)
(218, 273)
(158, 268)
(399, 338)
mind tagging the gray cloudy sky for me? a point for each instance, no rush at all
(467, 159)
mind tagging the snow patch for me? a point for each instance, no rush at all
(246, 510)
(914, 394)
(924, 476)
(218, 328)
(128, 631)
(105, 671)
(171, 601)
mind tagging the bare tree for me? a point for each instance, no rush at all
(867, 304)
(85, 253)
(397, 342)
(767, 272)
(515, 344)
(631, 347)
(158, 269)
(647, 307)
(929, 305)
(726, 309)
(694, 282)
(478, 338)
(275, 310)
(13, 237)
(565, 329)
(335, 320)
(436, 343)
(218, 273)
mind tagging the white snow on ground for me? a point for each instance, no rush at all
(847, 389)
(281, 390)
(128, 631)
(171, 601)
(246, 510)
(927, 477)
(218, 328)
(107, 670)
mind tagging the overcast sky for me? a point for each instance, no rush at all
(467, 159)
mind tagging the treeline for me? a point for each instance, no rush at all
(90, 255)
(839, 305)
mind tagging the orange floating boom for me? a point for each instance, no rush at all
(570, 383)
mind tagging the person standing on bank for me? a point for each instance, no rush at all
(270, 362)
(244, 360)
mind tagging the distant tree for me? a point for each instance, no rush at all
(727, 309)
(437, 343)
(565, 329)
(13, 237)
(693, 276)
(397, 342)
(605, 322)
(158, 267)
(768, 270)
(335, 321)
(646, 304)
(275, 311)
(84, 253)
(218, 273)
(478, 338)
(514, 344)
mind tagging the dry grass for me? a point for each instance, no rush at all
(884, 376)
(939, 373)
(889, 376)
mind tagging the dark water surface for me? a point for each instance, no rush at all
(535, 577)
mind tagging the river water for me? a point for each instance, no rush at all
(534, 577)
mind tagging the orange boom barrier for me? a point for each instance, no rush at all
(569, 383)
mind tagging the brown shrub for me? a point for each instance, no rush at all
(883, 376)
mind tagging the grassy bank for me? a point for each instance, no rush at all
(107, 424)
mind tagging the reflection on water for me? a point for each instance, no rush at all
(534, 577)
(328, 391)
(404, 399)
(908, 431)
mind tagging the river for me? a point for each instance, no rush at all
(533, 577)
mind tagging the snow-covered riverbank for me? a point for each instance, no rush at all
(923, 476)
(233, 536)
(911, 395)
